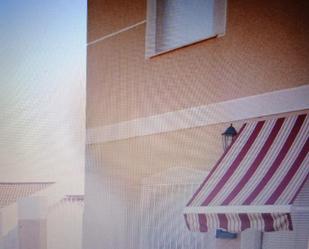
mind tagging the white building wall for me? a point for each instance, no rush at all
(8, 227)
(298, 238)
(163, 199)
(64, 225)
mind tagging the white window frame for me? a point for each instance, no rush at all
(220, 13)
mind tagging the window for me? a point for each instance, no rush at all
(176, 23)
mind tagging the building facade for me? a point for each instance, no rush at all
(149, 115)
(39, 215)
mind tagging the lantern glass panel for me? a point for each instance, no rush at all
(228, 137)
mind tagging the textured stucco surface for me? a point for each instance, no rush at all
(265, 49)
(108, 16)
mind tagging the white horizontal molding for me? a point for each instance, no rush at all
(271, 103)
(245, 209)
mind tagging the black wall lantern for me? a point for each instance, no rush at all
(228, 136)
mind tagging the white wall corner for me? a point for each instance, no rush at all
(32, 208)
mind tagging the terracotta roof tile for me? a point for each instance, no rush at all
(12, 191)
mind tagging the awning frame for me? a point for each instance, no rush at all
(246, 209)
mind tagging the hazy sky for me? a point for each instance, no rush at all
(42, 89)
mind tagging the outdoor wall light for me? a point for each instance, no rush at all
(228, 136)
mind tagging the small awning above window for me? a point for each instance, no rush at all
(255, 182)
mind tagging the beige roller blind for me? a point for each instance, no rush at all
(176, 23)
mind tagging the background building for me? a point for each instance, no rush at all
(40, 215)
(42, 123)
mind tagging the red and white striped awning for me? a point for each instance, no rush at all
(255, 182)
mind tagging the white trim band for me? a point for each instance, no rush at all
(271, 103)
(115, 33)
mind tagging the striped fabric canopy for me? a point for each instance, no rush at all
(255, 182)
